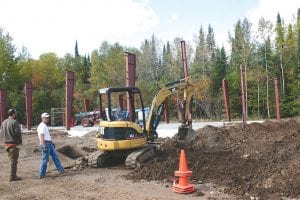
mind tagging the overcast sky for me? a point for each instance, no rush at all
(54, 25)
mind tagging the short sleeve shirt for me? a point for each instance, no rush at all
(43, 130)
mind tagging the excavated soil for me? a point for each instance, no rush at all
(83, 182)
(257, 160)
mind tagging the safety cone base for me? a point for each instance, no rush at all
(184, 189)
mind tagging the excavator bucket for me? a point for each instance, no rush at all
(186, 133)
(182, 132)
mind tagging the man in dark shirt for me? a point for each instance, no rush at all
(10, 128)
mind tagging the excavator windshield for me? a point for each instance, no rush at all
(120, 104)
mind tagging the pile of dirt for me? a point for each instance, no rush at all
(261, 160)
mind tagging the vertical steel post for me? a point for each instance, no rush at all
(121, 106)
(226, 99)
(243, 94)
(3, 95)
(130, 69)
(183, 56)
(130, 76)
(277, 99)
(166, 111)
(86, 105)
(28, 103)
(69, 96)
(188, 115)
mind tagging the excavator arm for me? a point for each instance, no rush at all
(186, 87)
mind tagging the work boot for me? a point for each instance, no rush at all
(16, 178)
(13, 172)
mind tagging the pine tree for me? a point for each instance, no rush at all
(280, 42)
(211, 43)
(200, 60)
(298, 47)
(76, 50)
(219, 73)
(291, 99)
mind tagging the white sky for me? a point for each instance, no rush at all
(54, 25)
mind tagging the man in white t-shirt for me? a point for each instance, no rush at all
(46, 147)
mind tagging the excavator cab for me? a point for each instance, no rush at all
(120, 103)
(121, 128)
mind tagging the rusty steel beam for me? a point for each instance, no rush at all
(69, 96)
(130, 69)
(166, 111)
(277, 99)
(130, 75)
(183, 56)
(188, 118)
(244, 116)
(121, 105)
(28, 103)
(226, 99)
(3, 95)
(86, 105)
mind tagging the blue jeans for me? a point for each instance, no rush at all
(49, 150)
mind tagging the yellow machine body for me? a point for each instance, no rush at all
(130, 132)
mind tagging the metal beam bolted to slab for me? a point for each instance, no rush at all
(69, 96)
(28, 103)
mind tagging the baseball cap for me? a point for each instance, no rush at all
(45, 115)
(12, 111)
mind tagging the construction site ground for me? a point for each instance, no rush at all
(256, 161)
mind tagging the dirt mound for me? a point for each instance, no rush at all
(260, 160)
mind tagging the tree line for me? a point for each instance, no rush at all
(271, 52)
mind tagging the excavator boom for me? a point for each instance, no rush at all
(186, 87)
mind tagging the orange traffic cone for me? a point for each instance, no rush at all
(183, 186)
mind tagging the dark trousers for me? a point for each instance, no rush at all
(13, 155)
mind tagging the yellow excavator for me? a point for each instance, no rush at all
(124, 130)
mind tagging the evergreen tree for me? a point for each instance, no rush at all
(298, 49)
(236, 46)
(200, 60)
(76, 50)
(219, 70)
(280, 43)
(211, 43)
(167, 63)
(219, 73)
(292, 92)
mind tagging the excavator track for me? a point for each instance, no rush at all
(140, 155)
(97, 158)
